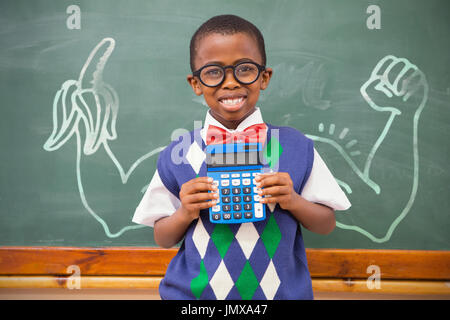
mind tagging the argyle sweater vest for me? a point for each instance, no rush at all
(261, 260)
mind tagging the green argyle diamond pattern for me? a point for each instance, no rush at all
(199, 283)
(222, 237)
(271, 236)
(247, 282)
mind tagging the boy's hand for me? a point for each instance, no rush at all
(276, 187)
(194, 196)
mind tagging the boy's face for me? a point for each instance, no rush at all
(231, 101)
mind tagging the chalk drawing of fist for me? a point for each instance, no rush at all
(403, 84)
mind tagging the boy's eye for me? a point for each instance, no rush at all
(246, 68)
(212, 72)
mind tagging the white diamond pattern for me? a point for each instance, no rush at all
(247, 236)
(271, 206)
(221, 282)
(200, 237)
(195, 156)
(270, 282)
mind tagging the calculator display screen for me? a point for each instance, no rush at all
(232, 159)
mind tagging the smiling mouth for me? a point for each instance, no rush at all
(232, 103)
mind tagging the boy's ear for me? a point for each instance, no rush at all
(266, 75)
(195, 84)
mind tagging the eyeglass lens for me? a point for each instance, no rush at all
(245, 73)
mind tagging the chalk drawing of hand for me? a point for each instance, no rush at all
(94, 103)
(395, 77)
(399, 89)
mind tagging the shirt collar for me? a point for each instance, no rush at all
(252, 119)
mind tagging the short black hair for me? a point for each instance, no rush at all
(227, 24)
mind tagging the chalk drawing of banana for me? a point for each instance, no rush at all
(73, 106)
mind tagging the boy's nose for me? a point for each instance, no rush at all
(230, 81)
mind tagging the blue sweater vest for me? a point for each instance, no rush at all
(263, 260)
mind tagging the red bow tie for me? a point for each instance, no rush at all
(254, 133)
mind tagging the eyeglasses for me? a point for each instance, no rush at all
(212, 75)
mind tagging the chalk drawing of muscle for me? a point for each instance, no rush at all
(396, 78)
(91, 102)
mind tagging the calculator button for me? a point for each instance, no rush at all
(216, 216)
(247, 206)
(236, 182)
(215, 183)
(256, 174)
(246, 182)
(247, 190)
(226, 216)
(215, 209)
(248, 215)
(226, 207)
(225, 191)
(235, 175)
(226, 199)
(255, 189)
(236, 198)
(258, 210)
(237, 215)
(246, 175)
(247, 198)
(256, 197)
(254, 181)
(237, 207)
(236, 190)
(224, 175)
(225, 183)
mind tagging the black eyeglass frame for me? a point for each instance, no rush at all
(197, 72)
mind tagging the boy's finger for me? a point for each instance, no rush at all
(202, 179)
(201, 187)
(203, 205)
(268, 180)
(275, 190)
(277, 199)
(201, 197)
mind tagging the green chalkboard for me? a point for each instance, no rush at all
(90, 91)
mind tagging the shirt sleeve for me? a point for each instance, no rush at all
(158, 202)
(321, 187)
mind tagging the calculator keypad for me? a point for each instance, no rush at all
(238, 198)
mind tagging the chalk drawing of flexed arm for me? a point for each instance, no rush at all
(91, 102)
(398, 89)
(393, 78)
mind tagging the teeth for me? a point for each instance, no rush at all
(232, 102)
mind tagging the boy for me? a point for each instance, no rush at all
(260, 260)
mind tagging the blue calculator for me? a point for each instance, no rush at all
(233, 168)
